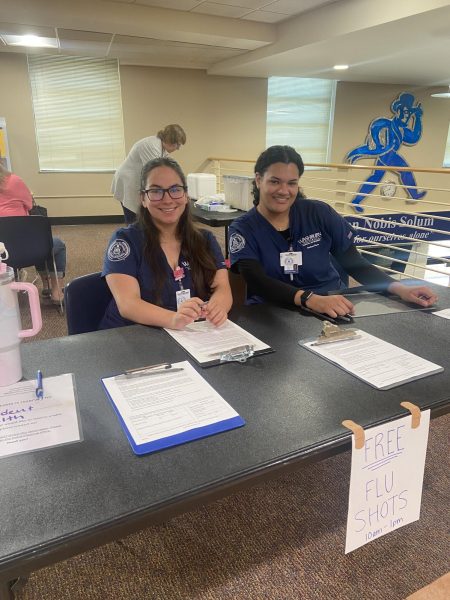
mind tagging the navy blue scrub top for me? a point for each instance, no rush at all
(125, 255)
(316, 230)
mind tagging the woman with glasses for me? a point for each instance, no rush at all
(284, 247)
(125, 185)
(162, 270)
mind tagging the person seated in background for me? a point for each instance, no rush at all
(16, 201)
(125, 185)
(163, 270)
(283, 246)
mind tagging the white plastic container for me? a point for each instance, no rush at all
(201, 184)
(238, 191)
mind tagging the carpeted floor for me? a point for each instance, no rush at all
(283, 540)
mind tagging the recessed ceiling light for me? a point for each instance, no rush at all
(340, 67)
(31, 41)
(442, 94)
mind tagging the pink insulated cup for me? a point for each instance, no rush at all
(11, 331)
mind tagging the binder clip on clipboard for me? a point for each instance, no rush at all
(237, 354)
(333, 333)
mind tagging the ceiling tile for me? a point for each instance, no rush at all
(220, 10)
(294, 7)
(244, 3)
(173, 4)
(265, 17)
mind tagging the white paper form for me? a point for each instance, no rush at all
(206, 343)
(375, 361)
(386, 480)
(28, 423)
(445, 314)
(160, 405)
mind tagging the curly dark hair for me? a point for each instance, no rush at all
(276, 154)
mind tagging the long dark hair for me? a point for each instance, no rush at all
(276, 154)
(194, 245)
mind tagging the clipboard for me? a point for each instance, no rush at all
(372, 360)
(156, 373)
(241, 346)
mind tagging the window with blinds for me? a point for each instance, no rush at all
(78, 112)
(447, 150)
(300, 114)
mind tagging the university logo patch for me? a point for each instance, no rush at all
(309, 240)
(237, 243)
(119, 250)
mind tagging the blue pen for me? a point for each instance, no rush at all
(39, 387)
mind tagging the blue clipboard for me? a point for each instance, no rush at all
(190, 435)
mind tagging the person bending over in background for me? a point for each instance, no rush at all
(162, 270)
(125, 185)
(283, 246)
(16, 201)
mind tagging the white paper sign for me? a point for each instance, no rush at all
(29, 423)
(386, 480)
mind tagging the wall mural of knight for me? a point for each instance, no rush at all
(384, 139)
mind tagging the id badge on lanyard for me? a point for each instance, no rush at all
(290, 261)
(181, 295)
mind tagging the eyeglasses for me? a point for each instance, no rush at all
(176, 192)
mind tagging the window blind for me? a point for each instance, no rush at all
(78, 112)
(300, 114)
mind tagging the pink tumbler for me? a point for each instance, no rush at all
(11, 331)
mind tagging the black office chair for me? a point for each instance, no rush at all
(86, 299)
(28, 241)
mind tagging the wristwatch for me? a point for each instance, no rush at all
(305, 297)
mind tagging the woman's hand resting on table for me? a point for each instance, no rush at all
(333, 306)
(417, 294)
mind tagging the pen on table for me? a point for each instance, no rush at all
(318, 314)
(39, 385)
(348, 318)
(151, 370)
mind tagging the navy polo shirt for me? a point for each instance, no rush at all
(125, 255)
(316, 230)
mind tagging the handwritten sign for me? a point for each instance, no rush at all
(29, 423)
(386, 480)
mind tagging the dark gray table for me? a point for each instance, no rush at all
(216, 219)
(61, 501)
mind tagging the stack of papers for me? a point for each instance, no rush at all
(207, 343)
(162, 408)
(375, 361)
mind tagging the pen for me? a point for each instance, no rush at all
(347, 318)
(319, 315)
(39, 385)
(152, 372)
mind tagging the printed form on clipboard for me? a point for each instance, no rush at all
(210, 345)
(166, 405)
(376, 362)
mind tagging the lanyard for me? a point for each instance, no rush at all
(178, 275)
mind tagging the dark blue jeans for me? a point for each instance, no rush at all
(59, 250)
